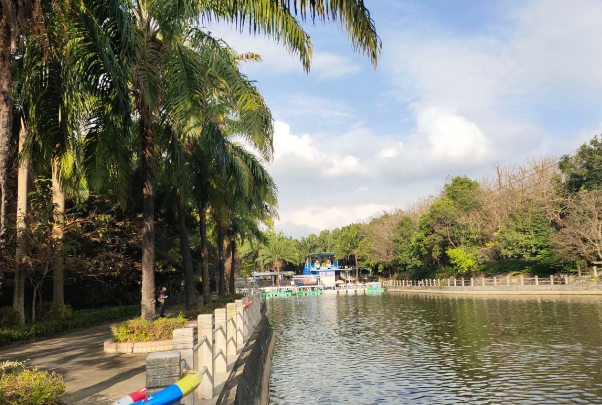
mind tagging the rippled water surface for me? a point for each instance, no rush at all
(396, 348)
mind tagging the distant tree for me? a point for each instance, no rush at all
(584, 170)
(581, 235)
(527, 235)
(278, 251)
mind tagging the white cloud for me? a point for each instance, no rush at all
(277, 60)
(320, 217)
(451, 136)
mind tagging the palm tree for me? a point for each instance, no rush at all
(278, 251)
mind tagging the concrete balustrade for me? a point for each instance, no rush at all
(205, 356)
(219, 340)
(220, 361)
(231, 330)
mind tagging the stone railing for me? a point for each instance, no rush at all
(497, 283)
(210, 348)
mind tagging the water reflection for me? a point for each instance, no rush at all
(427, 349)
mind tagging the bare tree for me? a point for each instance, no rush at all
(581, 235)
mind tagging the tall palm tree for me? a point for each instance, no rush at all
(162, 57)
(61, 72)
(278, 251)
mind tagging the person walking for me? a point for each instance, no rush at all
(162, 298)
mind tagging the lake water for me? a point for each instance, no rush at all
(426, 349)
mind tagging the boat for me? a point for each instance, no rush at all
(374, 287)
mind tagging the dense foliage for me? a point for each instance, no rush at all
(133, 149)
(57, 323)
(23, 385)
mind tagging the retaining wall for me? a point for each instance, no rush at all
(249, 381)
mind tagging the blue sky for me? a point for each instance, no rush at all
(461, 85)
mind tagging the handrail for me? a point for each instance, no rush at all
(218, 354)
(218, 328)
(200, 342)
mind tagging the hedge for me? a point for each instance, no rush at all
(22, 385)
(138, 330)
(78, 319)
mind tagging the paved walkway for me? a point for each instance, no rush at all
(92, 376)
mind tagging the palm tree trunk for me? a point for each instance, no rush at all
(58, 200)
(204, 255)
(6, 114)
(222, 261)
(22, 182)
(148, 212)
(189, 284)
(233, 261)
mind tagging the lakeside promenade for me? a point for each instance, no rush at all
(501, 285)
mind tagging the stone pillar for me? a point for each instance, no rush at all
(595, 270)
(183, 341)
(472, 281)
(162, 370)
(455, 282)
(522, 279)
(494, 280)
(566, 280)
(205, 356)
(245, 320)
(551, 280)
(231, 349)
(220, 365)
(508, 280)
(462, 281)
(536, 280)
(483, 281)
(240, 340)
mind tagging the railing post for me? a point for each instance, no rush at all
(205, 356)
(508, 280)
(483, 281)
(220, 365)
(595, 269)
(183, 341)
(536, 280)
(231, 349)
(455, 282)
(245, 320)
(462, 281)
(495, 280)
(162, 370)
(522, 279)
(472, 281)
(566, 280)
(240, 339)
(551, 280)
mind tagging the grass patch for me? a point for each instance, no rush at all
(22, 385)
(72, 320)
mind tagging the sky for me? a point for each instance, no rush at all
(461, 85)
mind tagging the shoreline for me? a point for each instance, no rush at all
(494, 292)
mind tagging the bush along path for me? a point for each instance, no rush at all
(65, 320)
(90, 375)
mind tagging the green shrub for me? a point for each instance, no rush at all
(138, 330)
(54, 312)
(78, 319)
(9, 317)
(22, 385)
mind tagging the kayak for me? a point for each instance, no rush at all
(174, 392)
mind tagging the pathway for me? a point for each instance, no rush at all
(92, 376)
